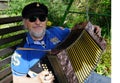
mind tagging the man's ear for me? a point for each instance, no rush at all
(47, 19)
(24, 23)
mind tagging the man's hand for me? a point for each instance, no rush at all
(97, 30)
(46, 77)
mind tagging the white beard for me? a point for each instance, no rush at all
(38, 34)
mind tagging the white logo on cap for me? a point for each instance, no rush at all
(38, 5)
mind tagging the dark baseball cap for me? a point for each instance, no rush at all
(35, 8)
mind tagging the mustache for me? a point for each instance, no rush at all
(37, 26)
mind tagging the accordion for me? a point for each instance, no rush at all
(73, 60)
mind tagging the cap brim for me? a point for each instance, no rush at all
(36, 14)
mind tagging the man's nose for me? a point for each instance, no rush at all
(37, 21)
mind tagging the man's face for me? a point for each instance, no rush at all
(36, 26)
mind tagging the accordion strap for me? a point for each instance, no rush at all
(35, 69)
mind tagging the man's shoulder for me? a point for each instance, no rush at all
(56, 28)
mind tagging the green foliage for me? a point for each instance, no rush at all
(103, 17)
(104, 66)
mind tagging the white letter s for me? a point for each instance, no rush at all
(15, 59)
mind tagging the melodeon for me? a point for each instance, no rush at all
(73, 60)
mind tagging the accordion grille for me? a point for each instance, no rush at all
(84, 55)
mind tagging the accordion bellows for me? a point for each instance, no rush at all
(78, 55)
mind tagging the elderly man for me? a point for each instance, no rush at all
(38, 37)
